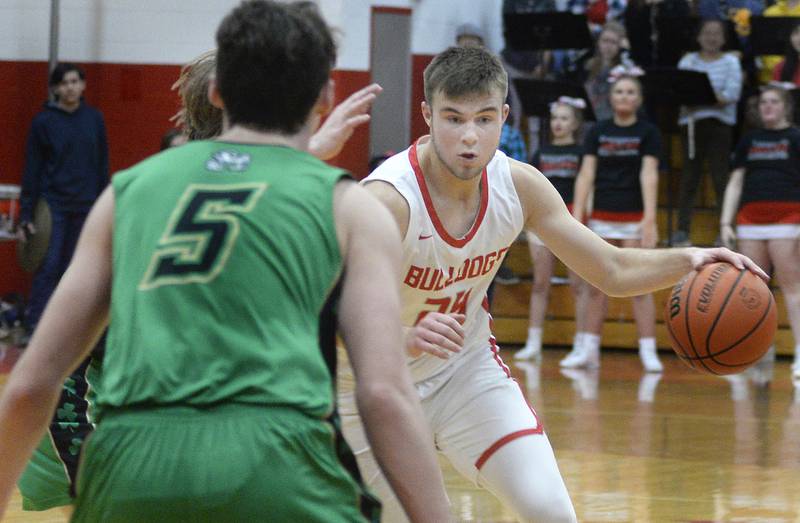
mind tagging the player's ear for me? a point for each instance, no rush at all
(323, 105)
(426, 112)
(213, 94)
(506, 110)
(326, 98)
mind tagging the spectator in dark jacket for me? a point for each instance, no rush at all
(67, 166)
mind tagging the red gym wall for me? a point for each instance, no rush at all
(137, 103)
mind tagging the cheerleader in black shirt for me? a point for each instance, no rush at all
(620, 168)
(763, 195)
(559, 161)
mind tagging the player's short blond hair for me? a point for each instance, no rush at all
(199, 119)
(464, 71)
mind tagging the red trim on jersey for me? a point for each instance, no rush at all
(485, 305)
(765, 213)
(437, 223)
(614, 216)
(496, 353)
(508, 438)
(488, 453)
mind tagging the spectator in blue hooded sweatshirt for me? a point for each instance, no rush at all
(66, 165)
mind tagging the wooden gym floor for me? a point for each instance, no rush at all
(682, 447)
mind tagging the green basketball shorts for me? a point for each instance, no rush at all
(227, 463)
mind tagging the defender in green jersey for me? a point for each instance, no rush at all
(48, 479)
(222, 264)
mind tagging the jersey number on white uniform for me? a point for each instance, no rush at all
(443, 305)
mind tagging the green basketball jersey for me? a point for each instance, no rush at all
(224, 258)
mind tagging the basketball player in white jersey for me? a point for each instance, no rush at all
(460, 203)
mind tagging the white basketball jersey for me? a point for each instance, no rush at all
(446, 274)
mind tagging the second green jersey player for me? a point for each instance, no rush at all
(248, 368)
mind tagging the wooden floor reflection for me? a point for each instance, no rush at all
(679, 447)
(682, 447)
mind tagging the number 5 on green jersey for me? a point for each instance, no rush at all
(201, 233)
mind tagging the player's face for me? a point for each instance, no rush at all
(711, 37)
(771, 109)
(465, 132)
(563, 123)
(70, 89)
(625, 97)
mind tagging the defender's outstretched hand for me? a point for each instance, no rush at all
(701, 257)
(437, 334)
(330, 138)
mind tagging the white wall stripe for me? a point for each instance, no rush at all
(174, 31)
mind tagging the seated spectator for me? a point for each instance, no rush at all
(512, 143)
(609, 53)
(470, 35)
(707, 131)
(787, 70)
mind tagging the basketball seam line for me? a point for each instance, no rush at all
(685, 356)
(719, 314)
(689, 327)
(740, 340)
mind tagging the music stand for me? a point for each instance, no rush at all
(547, 30)
(537, 95)
(678, 86)
(677, 35)
(769, 35)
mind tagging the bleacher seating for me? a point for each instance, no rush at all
(510, 303)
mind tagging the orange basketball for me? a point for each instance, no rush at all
(721, 320)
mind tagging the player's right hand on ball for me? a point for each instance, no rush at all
(436, 334)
